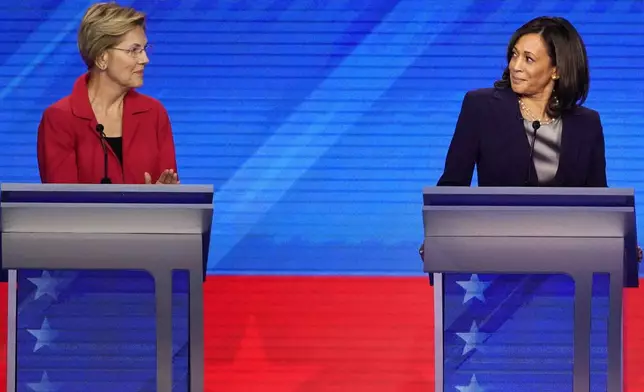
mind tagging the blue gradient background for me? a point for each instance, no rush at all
(319, 121)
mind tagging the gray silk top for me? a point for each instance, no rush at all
(547, 148)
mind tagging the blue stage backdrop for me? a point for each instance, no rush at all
(319, 122)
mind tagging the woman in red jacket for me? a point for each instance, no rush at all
(105, 131)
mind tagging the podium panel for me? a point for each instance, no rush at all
(79, 330)
(517, 331)
(105, 286)
(528, 286)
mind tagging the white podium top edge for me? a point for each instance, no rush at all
(126, 188)
(527, 191)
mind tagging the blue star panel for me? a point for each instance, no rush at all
(515, 332)
(95, 331)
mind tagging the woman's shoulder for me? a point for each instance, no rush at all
(584, 111)
(482, 92)
(58, 109)
(583, 119)
(484, 99)
(490, 94)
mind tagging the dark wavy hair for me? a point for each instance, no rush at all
(567, 52)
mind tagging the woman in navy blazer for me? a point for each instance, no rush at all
(543, 87)
(530, 129)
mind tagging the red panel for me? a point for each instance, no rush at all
(3, 336)
(319, 334)
(333, 334)
(634, 339)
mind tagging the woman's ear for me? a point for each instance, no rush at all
(101, 61)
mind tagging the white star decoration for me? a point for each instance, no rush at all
(473, 338)
(473, 387)
(474, 288)
(46, 285)
(44, 385)
(44, 336)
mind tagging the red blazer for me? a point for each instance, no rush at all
(69, 147)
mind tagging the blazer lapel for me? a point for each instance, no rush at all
(133, 106)
(569, 152)
(130, 126)
(80, 105)
(511, 124)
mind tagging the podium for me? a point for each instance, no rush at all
(583, 233)
(121, 291)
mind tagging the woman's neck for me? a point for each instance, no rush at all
(105, 96)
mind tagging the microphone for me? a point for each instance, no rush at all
(535, 126)
(100, 129)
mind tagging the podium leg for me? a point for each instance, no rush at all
(615, 322)
(163, 295)
(439, 383)
(581, 340)
(12, 315)
(196, 367)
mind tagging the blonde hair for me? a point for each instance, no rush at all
(103, 26)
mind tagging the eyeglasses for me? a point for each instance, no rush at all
(135, 51)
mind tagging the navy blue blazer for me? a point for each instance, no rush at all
(490, 134)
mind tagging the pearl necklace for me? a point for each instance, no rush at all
(527, 111)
